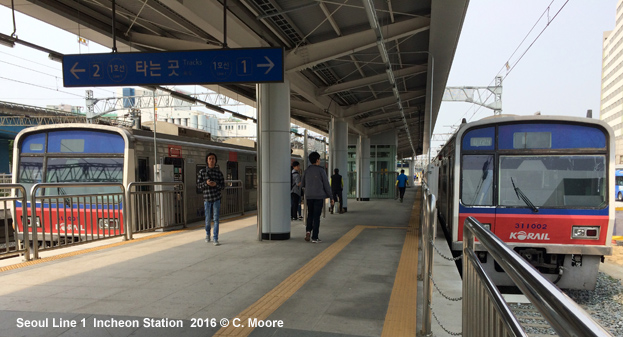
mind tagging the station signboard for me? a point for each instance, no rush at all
(251, 65)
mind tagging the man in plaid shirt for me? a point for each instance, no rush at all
(210, 180)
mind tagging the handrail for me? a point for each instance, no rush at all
(565, 316)
(429, 226)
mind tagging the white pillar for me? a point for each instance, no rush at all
(340, 148)
(363, 168)
(274, 147)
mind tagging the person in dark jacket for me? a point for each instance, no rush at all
(317, 189)
(295, 191)
(337, 186)
(211, 181)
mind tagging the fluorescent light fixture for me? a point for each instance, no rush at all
(55, 57)
(7, 41)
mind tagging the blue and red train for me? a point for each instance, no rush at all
(542, 184)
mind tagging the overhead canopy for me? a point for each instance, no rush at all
(367, 62)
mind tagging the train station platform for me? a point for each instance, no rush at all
(360, 281)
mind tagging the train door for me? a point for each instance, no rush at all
(178, 176)
(232, 195)
(232, 170)
(142, 173)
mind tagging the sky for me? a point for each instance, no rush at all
(560, 74)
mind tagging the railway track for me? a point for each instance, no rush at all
(604, 304)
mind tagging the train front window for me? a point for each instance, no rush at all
(553, 181)
(30, 172)
(84, 170)
(477, 180)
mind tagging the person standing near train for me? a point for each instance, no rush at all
(337, 186)
(295, 191)
(317, 189)
(211, 181)
(402, 183)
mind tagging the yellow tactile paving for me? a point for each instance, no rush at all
(266, 305)
(116, 244)
(400, 319)
(270, 302)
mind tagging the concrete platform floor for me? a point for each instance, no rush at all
(360, 281)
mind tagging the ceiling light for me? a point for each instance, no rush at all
(55, 57)
(7, 41)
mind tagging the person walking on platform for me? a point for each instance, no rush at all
(402, 183)
(295, 191)
(210, 180)
(337, 185)
(317, 189)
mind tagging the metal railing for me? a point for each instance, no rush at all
(9, 242)
(62, 218)
(232, 201)
(155, 205)
(428, 225)
(485, 313)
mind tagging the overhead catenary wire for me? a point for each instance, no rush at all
(56, 77)
(514, 64)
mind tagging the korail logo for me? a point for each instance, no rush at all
(529, 236)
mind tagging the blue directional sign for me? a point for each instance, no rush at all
(257, 65)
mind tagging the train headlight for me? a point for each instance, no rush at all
(487, 226)
(585, 232)
(108, 223)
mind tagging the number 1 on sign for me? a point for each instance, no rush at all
(244, 66)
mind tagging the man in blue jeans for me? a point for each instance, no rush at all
(210, 180)
(316, 185)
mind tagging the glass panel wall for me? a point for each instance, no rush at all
(382, 171)
(352, 172)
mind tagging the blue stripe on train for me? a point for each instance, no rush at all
(544, 211)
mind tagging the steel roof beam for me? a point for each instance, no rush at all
(369, 80)
(317, 53)
(361, 108)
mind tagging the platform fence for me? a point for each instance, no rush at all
(10, 195)
(74, 213)
(155, 206)
(232, 201)
(71, 213)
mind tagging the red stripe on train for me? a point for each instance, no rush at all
(539, 228)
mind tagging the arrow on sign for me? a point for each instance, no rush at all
(270, 65)
(74, 70)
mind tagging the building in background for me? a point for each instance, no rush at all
(66, 107)
(611, 103)
(175, 112)
(236, 128)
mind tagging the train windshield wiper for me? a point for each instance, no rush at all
(524, 197)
